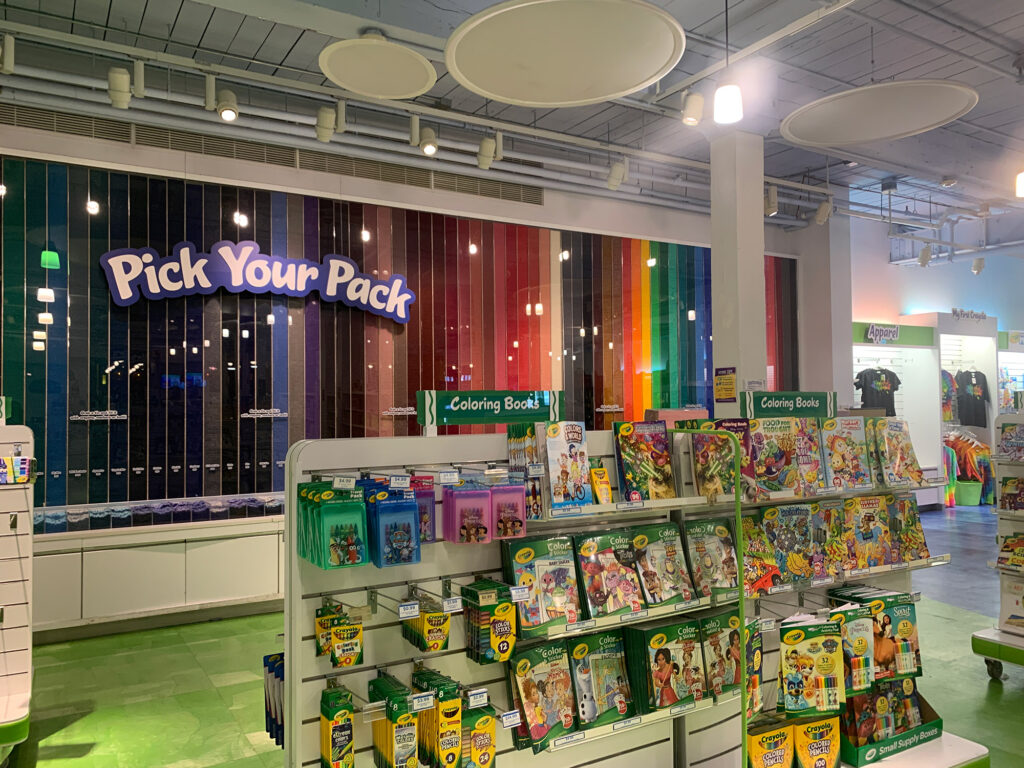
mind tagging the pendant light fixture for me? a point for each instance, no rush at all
(728, 97)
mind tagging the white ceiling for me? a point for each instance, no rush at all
(969, 41)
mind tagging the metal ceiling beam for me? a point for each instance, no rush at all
(953, 25)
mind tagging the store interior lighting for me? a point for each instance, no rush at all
(1020, 184)
(45, 295)
(325, 123)
(824, 212)
(616, 174)
(652, 262)
(119, 87)
(240, 219)
(39, 335)
(92, 207)
(728, 104)
(364, 235)
(485, 155)
(693, 109)
(428, 142)
(3, 190)
(227, 105)
(45, 318)
(925, 256)
(472, 249)
(771, 200)
(978, 265)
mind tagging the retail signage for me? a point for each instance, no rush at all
(757, 405)
(968, 314)
(725, 385)
(877, 333)
(438, 407)
(240, 267)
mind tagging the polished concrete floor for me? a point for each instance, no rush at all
(192, 696)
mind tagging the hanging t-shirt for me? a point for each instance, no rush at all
(948, 395)
(878, 389)
(972, 398)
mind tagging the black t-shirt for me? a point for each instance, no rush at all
(878, 389)
(972, 398)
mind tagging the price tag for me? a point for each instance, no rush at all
(780, 588)
(635, 616)
(520, 594)
(420, 701)
(626, 724)
(535, 470)
(678, 709)
(567, 512)
(767, 625)
(452, 605)
(408, 610)
(449, 477)
(899, 566)
(398, 482)
(343, 483)
(859, 572)
(490, 597)
(572, 738)
(823, 582)
(630, 505)
(686, 606)
(510, 719)
(580, 626)
(478, 698)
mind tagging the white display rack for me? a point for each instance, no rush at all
(15, 593)
(947, 751)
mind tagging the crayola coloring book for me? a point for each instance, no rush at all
(547, 566)
(712, 556)
(773, 454)
(867, 522)
(601, 685)
(643, 453)
(845, 454)
(713, 465)
(898, 461)
(544, 686)
(828, 549)
(811, 668)
(607, 568)
(760, 571)
(666, 662)
(568, 468)
(810, 466)
(723, 646)
(788, 529)
(661, 564)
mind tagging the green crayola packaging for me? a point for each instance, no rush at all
(722, 648)
(337, 746)
(480, 733)
(666, 665)
(771, 748)
(816, 743)
(547, 567)
(544, 684)
(346, 642)
(598, 664)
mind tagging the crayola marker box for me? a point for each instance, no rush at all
(337, 713)
(816, 743)
(770, 746)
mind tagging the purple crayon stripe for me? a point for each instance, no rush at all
(310, 240)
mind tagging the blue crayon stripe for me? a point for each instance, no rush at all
(157, 362)
(176, 352)
(279, 342)
(57, 338)
(78, 333)
(261, 225)
(120, 324)
(138, 352)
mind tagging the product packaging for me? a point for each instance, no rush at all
(547, 567)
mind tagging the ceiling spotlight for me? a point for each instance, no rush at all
(691, 315)
(428, 142)
(977, 265)
(240, 219)
(1020, 184)
(39, 346)
(728, 104)
(485, 155)
(364, 235)
(325, 124)
(948, 181)
(92, 207)
(45, 318)
(616, 174)
(693, 109)
(119, 87)
(771, 200)
(824, 212)
(227, 105)
(472, 249)
(45, 295)
(563, 256)
(925, 256)
(538, 309)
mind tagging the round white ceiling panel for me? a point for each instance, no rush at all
(880, 112)
(564, 53)
(372, 66)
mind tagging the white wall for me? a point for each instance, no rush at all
(882, 292)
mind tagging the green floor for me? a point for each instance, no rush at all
(192, 697)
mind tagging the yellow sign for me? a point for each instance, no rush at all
(725, 385)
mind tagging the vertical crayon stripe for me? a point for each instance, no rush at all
(120, 328)
(57, 338)
(279, 341)
(35, 278)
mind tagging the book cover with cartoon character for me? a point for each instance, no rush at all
(544, 687)
(828, 549)
(788, 528)
(773, 455)
(661, 564)
(867, 522)
(723, 647)
(760, 570)
(897, 459)
(607, 571)
(712, 556)
(643, 453)
(845, 454)
(547, 566)
(568, 468)
(713, 464)
(600, 681)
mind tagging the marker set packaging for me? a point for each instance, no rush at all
(490, 619)
(337, 727)
(476, 515)
(811, 667)
(332, 526)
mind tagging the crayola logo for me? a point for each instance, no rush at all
(721, 531)
(483, 722)
(451, 712)
(829, 425)
(850, 504)
(754, 424)
(580, 651)
(381, 495)
(890, 499)
(746, 635)
(734, 622)
(553, 430)
(771, 514)
(626, 429)
(523, 667)
(839, 619)
(908, 686)
(588, 549)
(404, 719)
(708, 426)
(640, 541)
(328, 495)
(503, 610)
(525, 555)
(772, 741)
(815, 508)
(659, 640)
(437, 619)
(793, 637)
(870, 754)
(876, 606)
(818, 730)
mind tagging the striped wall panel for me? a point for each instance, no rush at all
(781, 322)
(182, 375)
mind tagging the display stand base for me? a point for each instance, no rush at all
(997, 647)
(947, 751)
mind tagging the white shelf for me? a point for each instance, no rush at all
(947, 751)
(609, 622)
(614, 729)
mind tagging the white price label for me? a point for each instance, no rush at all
(626, 724)
(778, 588)
(520, 594)
(510, 719)
(398, 482)
(859, 571)
(452, 605)
(823, 582)
(678, 709)
(449, 477)
(635, 616)
(580, 626)
(477, 698)
(535, 470)
(408, 610)
(572, 738)
(343, 483)
(490, 597)
(899, 566)
(686, 606)
(421, 701)
(630, 505)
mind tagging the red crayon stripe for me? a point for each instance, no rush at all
(500, 301)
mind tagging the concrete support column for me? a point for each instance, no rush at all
(737, 259)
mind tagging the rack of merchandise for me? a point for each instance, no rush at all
(16, 447)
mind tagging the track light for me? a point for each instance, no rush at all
(227, 105)
(485, 155)
(1020, 184)
(472, 249)
(428, 142)
(39, 335)
(7, 56)
(925, 256)
(139, 79)
(977, 265)
(340, 120)
(771, 200)
(693, 109)
(210, 98)
(45, 295)
(728, 104)
(616, 174)
(325, 122)
(240, 219)
(119, 87)
(824, 212)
